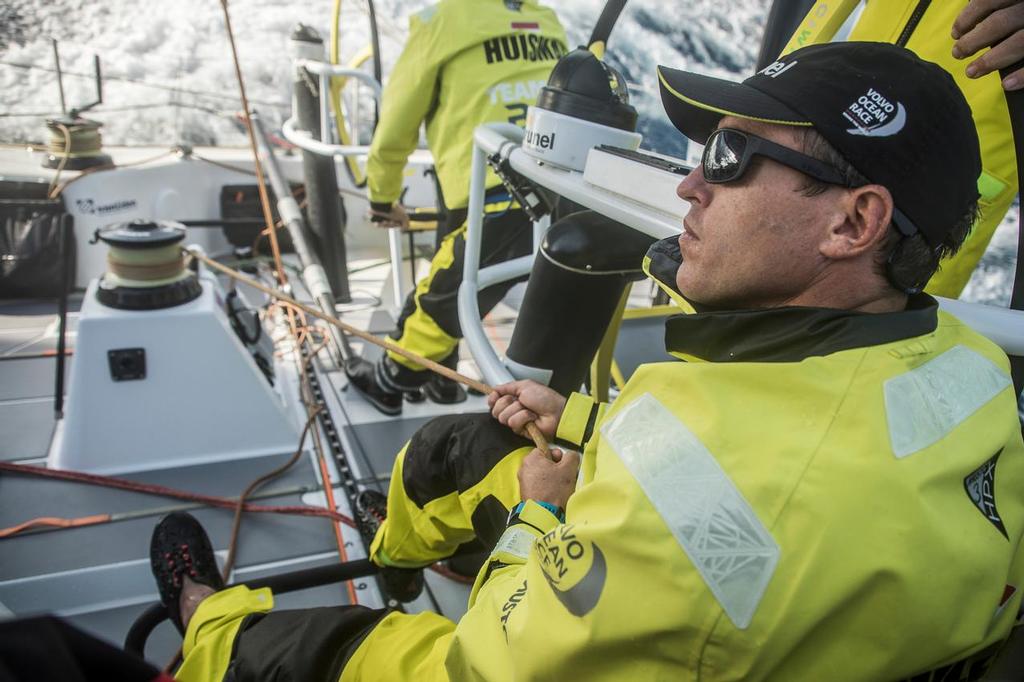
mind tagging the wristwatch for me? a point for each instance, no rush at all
(556, 511)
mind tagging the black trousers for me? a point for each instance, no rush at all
(305, 645)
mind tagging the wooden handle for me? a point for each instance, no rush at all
(531, 429)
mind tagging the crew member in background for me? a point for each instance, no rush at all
(948, 33)
(466, 62)
(775, 507)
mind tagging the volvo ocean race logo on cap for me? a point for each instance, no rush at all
(873, 115)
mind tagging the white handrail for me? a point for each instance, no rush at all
(303, 139)
(469, 310)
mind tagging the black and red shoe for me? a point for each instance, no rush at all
(179, 548)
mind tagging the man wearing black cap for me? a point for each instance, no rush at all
(826, 489)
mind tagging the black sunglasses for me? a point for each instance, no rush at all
(728, 152)
(727, 155)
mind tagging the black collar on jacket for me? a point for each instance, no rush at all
(788, 334)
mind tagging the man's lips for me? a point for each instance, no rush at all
(688, 233)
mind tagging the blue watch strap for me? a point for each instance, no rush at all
(556, 511)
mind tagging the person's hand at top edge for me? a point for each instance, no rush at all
(998, 24)
(519, 402)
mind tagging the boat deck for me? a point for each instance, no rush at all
(98, 576)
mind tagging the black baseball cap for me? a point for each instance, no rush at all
(899, 120)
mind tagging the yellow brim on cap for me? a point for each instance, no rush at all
(697, 113)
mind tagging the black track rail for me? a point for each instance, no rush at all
(347, 479)
(333, 438)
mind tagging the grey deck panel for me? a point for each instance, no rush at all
(25, 428)
(118, 552)
(30, 377)
(227, 478)
(381, 441)
(25, 321)
(264, 537)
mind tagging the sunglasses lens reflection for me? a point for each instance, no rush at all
(722, 156)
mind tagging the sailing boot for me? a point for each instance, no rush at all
(402, 584)
(443, 390)
(400, 378)
(180, 549)
(363, 376)
(386, 382)
(395, 377)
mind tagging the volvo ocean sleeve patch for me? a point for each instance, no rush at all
(709, 517)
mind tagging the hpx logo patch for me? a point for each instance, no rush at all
(980, 485)
(575, 569)
(873, 115)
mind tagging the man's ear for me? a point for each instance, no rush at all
(862, 219)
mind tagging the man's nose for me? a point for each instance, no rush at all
(694, 188)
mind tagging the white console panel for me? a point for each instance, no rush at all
(202, 399)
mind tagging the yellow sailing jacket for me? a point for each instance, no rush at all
(466, 62)
(814, 495)
(886, 20)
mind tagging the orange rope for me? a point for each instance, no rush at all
(162, 491)
(55, 522)
(261, 184)
(342, 554)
